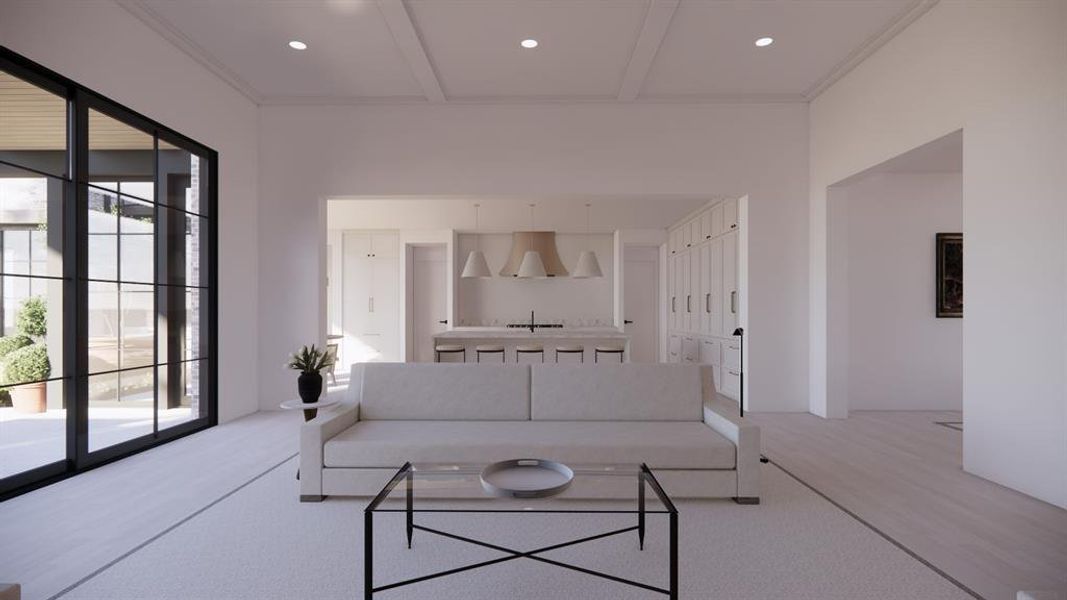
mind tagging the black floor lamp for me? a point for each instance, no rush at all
(740, 333)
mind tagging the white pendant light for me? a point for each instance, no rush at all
(476, 265)
(588, 265)
(532, 266)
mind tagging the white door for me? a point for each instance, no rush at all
(384, 330)
(429, 281)
(640, 299)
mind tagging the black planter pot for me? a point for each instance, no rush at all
(310, 387)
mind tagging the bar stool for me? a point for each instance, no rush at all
(440, 349)
(489, 349)
(529, 349)
(571, 349)
(608, 350)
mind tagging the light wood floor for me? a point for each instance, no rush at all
(902, 473)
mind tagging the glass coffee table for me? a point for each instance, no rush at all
(626, 490)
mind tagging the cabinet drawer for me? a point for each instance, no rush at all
(710, 352)
(731, 355)
(690, 350)
(674, 348)
(731, 381)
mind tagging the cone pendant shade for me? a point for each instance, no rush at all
(588, 265)
(532, 266)
(476, 266)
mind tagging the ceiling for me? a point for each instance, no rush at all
(418, 51)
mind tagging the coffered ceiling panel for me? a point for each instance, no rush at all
(710, 50)
(351, 51)
(584, 45)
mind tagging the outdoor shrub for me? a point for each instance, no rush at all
(27, 364)
(32, 318)
(10, 343)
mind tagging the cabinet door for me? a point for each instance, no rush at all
(705, 225)
(676, 292)
(385, 245)
(703, 299)
(673, 240)
(717, 226)
(709, 352)
(696, 289)
(685, 304)
(356, 244)
(384, 307)
(729, 216)
(715, 287)
(687, 238)
(693, 229)
(690, 350)
(731, 301)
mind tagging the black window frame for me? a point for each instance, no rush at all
(76, 373)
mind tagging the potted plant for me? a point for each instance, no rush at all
(310, 361)
(29, 363)
(8, 344)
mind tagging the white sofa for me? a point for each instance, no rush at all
(664, 415)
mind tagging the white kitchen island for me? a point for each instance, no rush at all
(549, 338)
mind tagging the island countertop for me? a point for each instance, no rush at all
(509, 333)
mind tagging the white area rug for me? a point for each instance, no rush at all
(261, 543)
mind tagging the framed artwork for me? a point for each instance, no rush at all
(949, 275)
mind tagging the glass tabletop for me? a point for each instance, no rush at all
(595, 488)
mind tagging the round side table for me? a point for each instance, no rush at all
(311, 409)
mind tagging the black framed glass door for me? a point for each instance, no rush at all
(107, 279)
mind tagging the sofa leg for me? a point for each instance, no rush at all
(311, 498)
(747, 499)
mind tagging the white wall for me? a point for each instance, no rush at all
(312, 153)
(103, 47)
(898, 354)
(509, 300)
(996, 70)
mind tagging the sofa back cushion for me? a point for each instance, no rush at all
(444, 392)
(620, 392)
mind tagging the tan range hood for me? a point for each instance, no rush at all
(541, 242)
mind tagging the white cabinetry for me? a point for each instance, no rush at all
(370, 297)
(703, 291)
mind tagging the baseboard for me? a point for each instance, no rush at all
(747, 499)
(311, 498)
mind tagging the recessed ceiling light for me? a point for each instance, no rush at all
(298, 45)
(764, 42)
(529, 44)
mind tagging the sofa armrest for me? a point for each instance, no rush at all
(746, 438)
(313, 435)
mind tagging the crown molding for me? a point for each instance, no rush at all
(172, 34)
(908, 16)
(691, 99)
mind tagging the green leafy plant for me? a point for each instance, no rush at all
(310, 360)
(10, 343)
(32, 318)
(27, 364)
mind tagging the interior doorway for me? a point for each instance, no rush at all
(641, 301)
(889, 345)
(429, 298)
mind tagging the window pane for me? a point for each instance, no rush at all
(183, 179)
(118, 151)
(103, 326)
(103, 234)
(183, 318)
(136, 241)
(137, 327)
(184, 248)
(121, 407)
(31, 223)
(33, 427)
(180, 396)
(33, 312)
(33, 126)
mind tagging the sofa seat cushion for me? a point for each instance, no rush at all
(660, 444)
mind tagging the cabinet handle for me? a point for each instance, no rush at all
(733, 302)
(688, 245)
(370, 303)
(733, 347)
(707, 303)
(732, 372)
(672, 304)
(734, 226)
(688, 303)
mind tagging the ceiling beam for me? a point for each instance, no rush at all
(657, 20)
(407, 39)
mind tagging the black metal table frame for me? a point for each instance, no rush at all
(645, 477)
